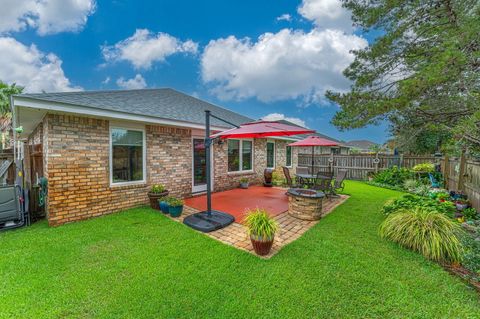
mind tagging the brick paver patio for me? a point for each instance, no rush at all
(291, 228)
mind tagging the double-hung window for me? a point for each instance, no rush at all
(288, 152)
(127, 155)
(240, 155)
(270, 154)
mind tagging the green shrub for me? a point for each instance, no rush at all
(424, 167)
(471, 254)
(410, 184)
(393, 176)
(157, 188)
(422, 190)
(432, 234)
(410, 201)
(470, 213)
(260, 224)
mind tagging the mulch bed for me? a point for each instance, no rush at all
(465, 274)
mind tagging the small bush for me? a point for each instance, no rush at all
(471, 254)
(432, 234)
(424, 167)
(422, 190)
(410, 184)
(470, 213)
(393, 176)
(244, 180)
(412, 201)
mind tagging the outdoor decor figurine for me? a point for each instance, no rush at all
(268, 176)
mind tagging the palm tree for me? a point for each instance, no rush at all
(5, 112)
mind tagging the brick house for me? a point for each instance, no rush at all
(102, 150)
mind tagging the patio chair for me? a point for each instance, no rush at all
(323, 184)
(286, 172)
(338, 183)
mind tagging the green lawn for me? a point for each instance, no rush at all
(139, 264)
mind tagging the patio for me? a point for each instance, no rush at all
(237, 201)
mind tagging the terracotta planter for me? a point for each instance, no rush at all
(154, 197)
(261, 246)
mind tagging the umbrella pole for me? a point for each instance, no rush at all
(208, 144)
(313, 159)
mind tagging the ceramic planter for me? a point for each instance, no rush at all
(461, 206)
(175, 211)
(163, 206)
(244, 185)
(154, 197)
(262, 246)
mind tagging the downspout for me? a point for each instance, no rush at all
(14, 133)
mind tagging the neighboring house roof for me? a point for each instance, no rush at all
(162, 103)
(362, 144)
(316, 134)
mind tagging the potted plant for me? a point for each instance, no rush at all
(261, 228)
(244, 182)
(461, 204)
(175, 207)
(156, 192)
(163, 203)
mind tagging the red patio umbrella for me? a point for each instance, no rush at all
(262, 129)
(314, 141)
(211, 220)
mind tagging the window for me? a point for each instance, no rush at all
(289, 156)
(270, 154)
(240, 155)
(127, 158)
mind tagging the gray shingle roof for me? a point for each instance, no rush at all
(361, 144)
(302, 136)
(162, 103)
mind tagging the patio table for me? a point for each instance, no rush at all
(309, 179)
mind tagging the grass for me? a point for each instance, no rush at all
(139, 264)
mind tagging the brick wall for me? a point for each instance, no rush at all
(76, 159)
(77, 167)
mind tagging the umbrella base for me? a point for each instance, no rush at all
(206, 223)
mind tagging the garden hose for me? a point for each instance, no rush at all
(43, 183)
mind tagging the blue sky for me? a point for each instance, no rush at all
(254, 57)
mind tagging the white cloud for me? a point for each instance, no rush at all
(279, 116)
(279, 66)
(48, 16)
(107, 80)
(284, 17)
(31, 68)
(138, 82)
(145, 47)
(327, 14)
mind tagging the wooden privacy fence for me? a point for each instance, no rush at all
(463, 174)
(359, 165)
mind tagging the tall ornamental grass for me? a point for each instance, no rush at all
(430, 233)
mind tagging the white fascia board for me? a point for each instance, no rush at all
(19, 101)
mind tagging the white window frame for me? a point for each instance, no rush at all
(274, 153)
(291, 156)
(240, 143)
(144, 151)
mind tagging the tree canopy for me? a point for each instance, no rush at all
(5, 113)
(422, 69)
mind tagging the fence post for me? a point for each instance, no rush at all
(461, 173)
(400, 164)
(446, 171)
